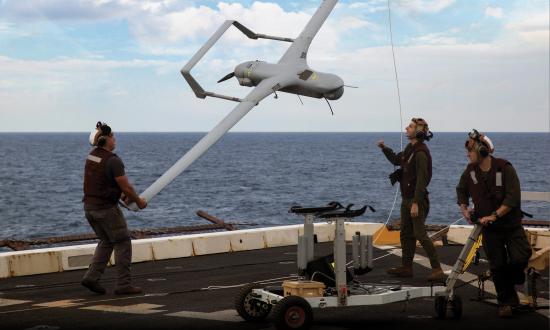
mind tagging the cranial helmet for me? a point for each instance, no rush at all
(422, 132)
(99, 135)
(480, 143)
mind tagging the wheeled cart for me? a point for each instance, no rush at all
(293, 311)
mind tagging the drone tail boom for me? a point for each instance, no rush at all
(264, 89)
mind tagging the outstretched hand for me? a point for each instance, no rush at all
(380, 144)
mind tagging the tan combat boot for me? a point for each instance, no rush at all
(402, 271)
(437, 275)
(129, 289)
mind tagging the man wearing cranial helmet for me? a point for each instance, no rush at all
(105, 183)
(414, 175)
(493, 186)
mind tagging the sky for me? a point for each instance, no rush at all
(461, 64)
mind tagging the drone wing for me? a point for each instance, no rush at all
(263, 89)
(299, 48)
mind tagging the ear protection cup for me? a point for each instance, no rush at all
(482, 149)
(101, 140)
(482, 144)
(420, 134)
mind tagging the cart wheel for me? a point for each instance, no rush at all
(440, 307)
(249, 308)
(456, 307)
(292, 312)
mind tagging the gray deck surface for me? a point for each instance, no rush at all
(175, 297)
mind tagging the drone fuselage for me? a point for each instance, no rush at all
(304, 81)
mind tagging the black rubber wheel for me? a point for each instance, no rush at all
(250, 309)
(440, 307)
(456, 307)
(292, 312)
(477, 257)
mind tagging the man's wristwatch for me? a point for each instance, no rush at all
(496, 215)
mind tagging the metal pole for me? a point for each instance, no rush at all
(301, 255)
(355, 248)
(369, 251)
(340, 261)
(308, 233)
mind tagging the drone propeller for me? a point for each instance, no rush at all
(226, 77)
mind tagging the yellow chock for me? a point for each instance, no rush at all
(383, 236)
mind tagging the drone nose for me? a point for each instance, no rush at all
(335, 94)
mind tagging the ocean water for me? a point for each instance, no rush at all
(247, 177)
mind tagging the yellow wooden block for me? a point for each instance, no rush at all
(383, 236)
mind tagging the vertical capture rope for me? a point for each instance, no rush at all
(396, 77)
(400, 113)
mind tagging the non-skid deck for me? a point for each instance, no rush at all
(199, 293)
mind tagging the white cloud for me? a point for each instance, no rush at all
(533, 28)
(183, 32)
(454, 85)
(4, 27)
(536, 22)
(9, 29)
(448, 37)
(6, 84)
(78, 10)
(347, 23)
(163, 19)
(178, 28)
(494, 12)
(372, 6)
(174, 26)
(434, 39)
(66, 73)
(425, 6)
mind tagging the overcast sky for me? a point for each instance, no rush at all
(461, 64)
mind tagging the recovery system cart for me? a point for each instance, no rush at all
(318, 287)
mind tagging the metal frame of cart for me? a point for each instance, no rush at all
(295, 312)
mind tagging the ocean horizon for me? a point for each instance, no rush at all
(247, 177)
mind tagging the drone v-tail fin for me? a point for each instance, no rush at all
(300, 46)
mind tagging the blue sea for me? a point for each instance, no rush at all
(249, 178)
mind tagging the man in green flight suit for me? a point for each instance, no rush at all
(493, 186)
(414, 175)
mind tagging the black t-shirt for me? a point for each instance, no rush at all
(114, 168)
